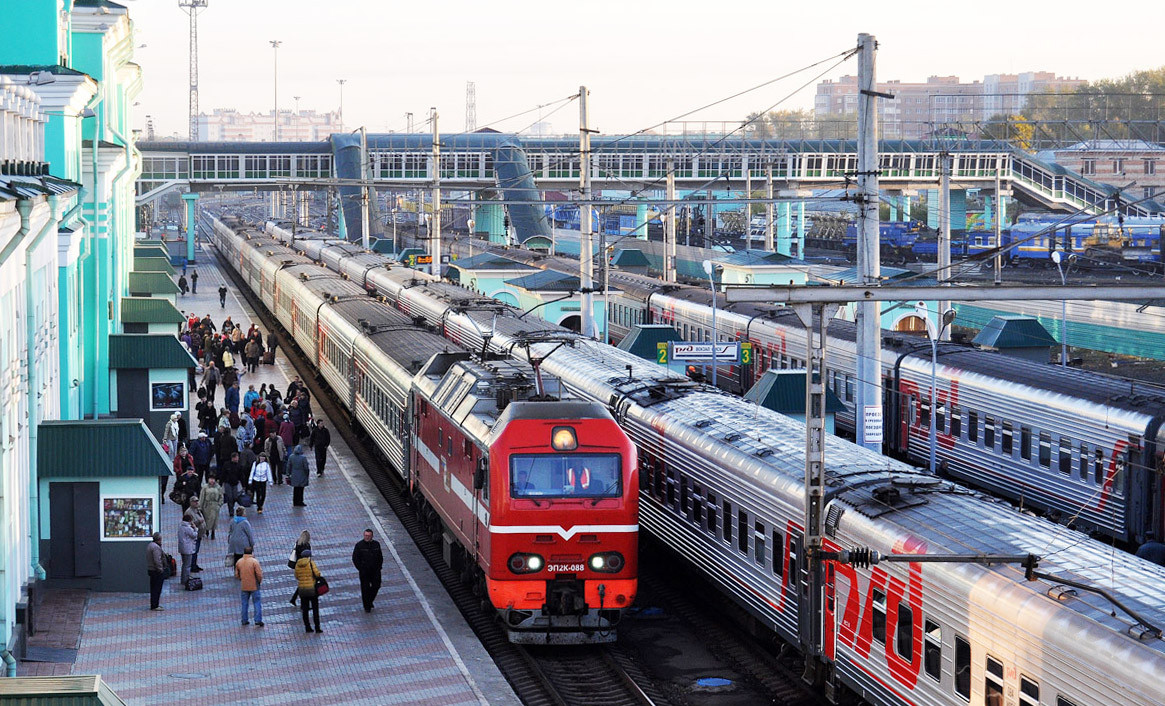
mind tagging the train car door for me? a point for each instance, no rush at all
(829, 628)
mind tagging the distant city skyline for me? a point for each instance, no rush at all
(643, 62)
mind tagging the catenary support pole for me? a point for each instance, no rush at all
(435, 236)
(669, 266)
(998, 230)
(365, 210)
(869, 339)
(944, 227)
(769, 206)
(586, 258)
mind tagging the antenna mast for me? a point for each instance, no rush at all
(191, 7)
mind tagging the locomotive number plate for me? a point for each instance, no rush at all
(565, 568)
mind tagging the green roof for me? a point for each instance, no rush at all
(149, 310)
(784, 391)
(152, 264)
(148, 350)
(150, 251)
(1006, 332)
(643, 339)
(68, 449)
(149, 283)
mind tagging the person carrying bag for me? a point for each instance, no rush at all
(308, 576)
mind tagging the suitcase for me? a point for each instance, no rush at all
(193, 584)
(269, 358)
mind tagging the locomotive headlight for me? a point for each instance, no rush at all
(525, 563)
(563, 439)
(607, 562)
(533, 562)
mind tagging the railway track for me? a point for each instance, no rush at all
(557, 677)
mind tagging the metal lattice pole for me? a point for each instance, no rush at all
(191, 7)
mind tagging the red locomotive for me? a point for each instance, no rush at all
(540, 493)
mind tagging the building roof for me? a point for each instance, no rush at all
(151, 283)
(490, 261)
(746, 258)
(643, 339)
(148, 350)
(1113, 145)
(149, 310)
(630, 257)
(1005, 332)
(56, 69)
(150, 250)
(546, 281)
(784, 391)
(99, 448)
(152, 264)
(889, 274)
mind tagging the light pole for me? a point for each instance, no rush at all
(947, 319)
(1056, 258)
(341, 81)
(275, 45)
(709, 269)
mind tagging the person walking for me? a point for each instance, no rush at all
(232, 397)
(241, 536)
(187, 541)
(231, 475)
(210, 379)
(187, 486)
(306, 575)
(222, 296)
(194, 282)
(210, 501)
(320, 439)
(250, 576)
(170, 436)
(272, 344)
(368, 560)
(304, 542)
(156, 568)
(298, 474)
(260, 476)
(182, 284)
(249, 398)
(201, 451)
(276, 452)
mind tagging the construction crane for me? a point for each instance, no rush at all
(191, 8)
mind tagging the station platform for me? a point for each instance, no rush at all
(414, 647)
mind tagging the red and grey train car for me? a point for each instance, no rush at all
(538, 491)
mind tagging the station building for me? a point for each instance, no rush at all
(68, 165)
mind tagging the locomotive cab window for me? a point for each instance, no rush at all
(566, 476)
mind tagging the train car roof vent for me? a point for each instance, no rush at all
(732, 437)
(832, 518)
(703, 423)
(887, 494)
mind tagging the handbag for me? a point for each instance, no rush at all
(229, 560)
(291, 560)
(177, 497)
(322, 586)
(244, 499)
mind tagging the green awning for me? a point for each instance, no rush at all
(643, 340)
(153, 264)
(149, 310)
(630, 257)
(98, 448)
(150, 283)
(1004, 332)
(784, 391)
(150, 251)
(148, 350)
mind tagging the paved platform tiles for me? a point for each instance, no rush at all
(413, 648)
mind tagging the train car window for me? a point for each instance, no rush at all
(989, 431)
(727, 521)
(1029, 692)
(758, 544)
(671, 489)
(790, 578)
(962, 668)
(849, 389)
(1005, 438)
(468, 449)
(1098, 467)
(449, 446)
(1083, 462)
(972, 426)
(1061, 701)
(904, 632)
(1065, 455)
(712, 514)
(1045, 449)
(778, 554)
(684, 505)
(1118, 475)
(993, 683)
(697, 506)
(924, 413)
(932, 651)
(940, 419)
(1025, 443)
(567, 475)
(956, 422)
(742, 534)
(660, 481)
(879, 616)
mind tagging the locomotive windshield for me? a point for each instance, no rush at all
(566, 476)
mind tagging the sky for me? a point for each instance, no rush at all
(643, 61)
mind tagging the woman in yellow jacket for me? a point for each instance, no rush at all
(306, 573)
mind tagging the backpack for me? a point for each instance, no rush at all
(171, 566)
(193, 584)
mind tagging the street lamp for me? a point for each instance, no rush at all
(275, 45)
(1057, 258)
(341, 81)
(709, 269)
(947, 318)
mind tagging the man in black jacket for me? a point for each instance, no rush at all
(368, 561)
(320, 439)
(229, 476)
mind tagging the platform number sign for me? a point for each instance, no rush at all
(746, 353)
(661, 353)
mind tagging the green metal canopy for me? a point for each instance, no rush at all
(152, 264)
(630, 257)
(1004, 332)
(784, 391)
(148, 350)
(99, 448)
(149, 283)
(149, 310)
(150, 251)
(643, 340)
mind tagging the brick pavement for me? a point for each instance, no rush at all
(52, 650)
(413, 648)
